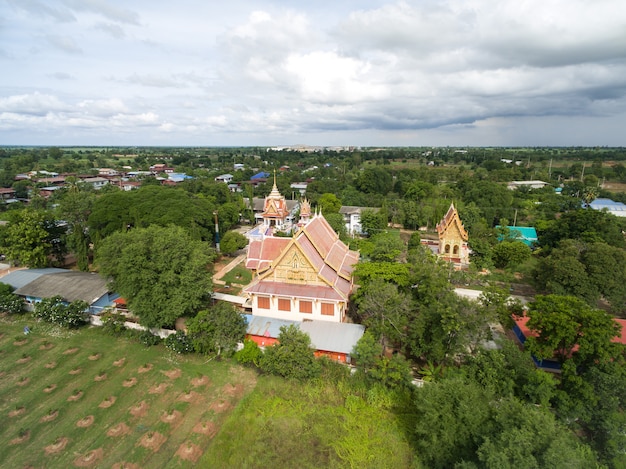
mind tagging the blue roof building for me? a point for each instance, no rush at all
(525, 234)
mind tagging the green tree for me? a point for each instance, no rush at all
(385, 311)
(510, 253)
(329, 203)
(566, 327)
(367, 352)
(232, 241)
(75, 207)
(522, 435)
(27, 239)
(162, 272)
(217, 330)
(393, 272)
(250, 354)
(387, 247)
(292, 357)
(372, 221)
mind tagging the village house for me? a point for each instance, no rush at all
(35, 284)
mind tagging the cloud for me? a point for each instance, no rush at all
(113, 30)
(34, 104)
(105, 9)
(43, 10)
(62, 76)
(64, 43)
(154, 80)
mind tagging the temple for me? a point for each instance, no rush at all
(453, 238)
(304, 277)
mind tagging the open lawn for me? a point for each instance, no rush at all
(285, 424)
(85, 399)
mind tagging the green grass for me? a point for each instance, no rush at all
(258, 421)
(17, 393)
(317, 424)
(239, 275)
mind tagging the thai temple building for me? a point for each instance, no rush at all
(307, 276)
(453, 238)
(451, 244)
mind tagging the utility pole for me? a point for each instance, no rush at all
(217, 233)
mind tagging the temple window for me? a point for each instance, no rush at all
(328, 309)
(263, 302)
(306, 306)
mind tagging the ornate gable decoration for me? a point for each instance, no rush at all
(451, 226)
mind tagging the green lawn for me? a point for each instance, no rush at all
(239, 275)
(41, 377)
(113, 402)
(312, 425)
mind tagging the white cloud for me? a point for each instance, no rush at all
(250, 70)
(64, 43)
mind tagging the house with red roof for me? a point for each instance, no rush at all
(306, 277)
(523, 332)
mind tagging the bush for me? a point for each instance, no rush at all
(250, 354)
(55, 311)
(10, 302)
(148, 339)
(113, 324)
(179, 343)
(292, 357)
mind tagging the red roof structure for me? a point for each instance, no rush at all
(313, 265)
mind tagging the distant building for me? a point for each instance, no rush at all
(352, 218)
(529, 184)
(525, 234)
(614, 208)
(227, 178)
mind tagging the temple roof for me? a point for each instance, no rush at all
(451, 219)
(317, 241)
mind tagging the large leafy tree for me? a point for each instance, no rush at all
(31, 238)
(385, 311)
(154, 205)
(217, 330)
(584, 225)
(232, 242)
(568, 328)
(161, 272)
(75, 207)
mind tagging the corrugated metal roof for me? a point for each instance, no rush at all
(332, 336)
(70, 285)
(266, 327)
(21, 278)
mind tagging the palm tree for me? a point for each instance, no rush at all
(590, 193)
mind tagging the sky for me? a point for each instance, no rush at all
(324, 72)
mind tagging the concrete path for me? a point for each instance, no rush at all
(227, 268)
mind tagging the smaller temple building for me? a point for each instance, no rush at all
(451, 244)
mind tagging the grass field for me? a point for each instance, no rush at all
(89, 400)
(85, 399)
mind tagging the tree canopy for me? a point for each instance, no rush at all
(217, 330)
(161, 272)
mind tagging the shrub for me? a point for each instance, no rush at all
(179, 343)
(113, 324)
(148, 339)
(250, 354)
